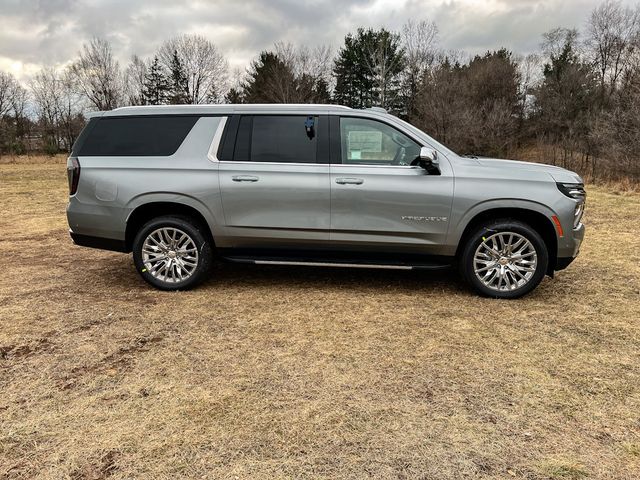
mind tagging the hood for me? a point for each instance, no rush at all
(559, 174)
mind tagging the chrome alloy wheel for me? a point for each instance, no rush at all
(505, 261)
(170, 255)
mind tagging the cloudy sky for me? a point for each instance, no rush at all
(34, 33)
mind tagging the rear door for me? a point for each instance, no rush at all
(377, 199)
(275, 185)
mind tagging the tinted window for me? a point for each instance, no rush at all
(290, 139)
(369, 142)
(137, 136)
(243, 140)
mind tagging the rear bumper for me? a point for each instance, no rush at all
(99, 242)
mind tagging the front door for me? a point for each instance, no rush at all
(275, 191)
(381, 202)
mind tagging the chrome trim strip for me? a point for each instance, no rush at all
(233, 162)
(337, 265)
(212, 155)
(357, 165)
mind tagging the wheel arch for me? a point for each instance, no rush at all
(534, 218)
(153, 209)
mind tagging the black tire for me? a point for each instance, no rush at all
(195, 232)
(489, 229)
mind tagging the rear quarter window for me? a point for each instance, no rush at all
(136, 136)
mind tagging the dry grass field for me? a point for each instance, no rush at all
(310, 373)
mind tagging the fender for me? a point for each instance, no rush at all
(457, 229)
(173, 197)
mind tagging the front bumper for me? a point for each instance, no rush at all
(576, 238)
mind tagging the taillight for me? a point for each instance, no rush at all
(73, 174)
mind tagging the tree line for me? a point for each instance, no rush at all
(574, 103)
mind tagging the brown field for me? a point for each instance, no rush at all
(310, 373)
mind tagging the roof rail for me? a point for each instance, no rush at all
(97, 113)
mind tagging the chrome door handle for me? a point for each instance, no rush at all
(245, 178)
(349, 181)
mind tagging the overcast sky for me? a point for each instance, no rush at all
(34, 33)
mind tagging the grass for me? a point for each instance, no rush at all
(311, 373)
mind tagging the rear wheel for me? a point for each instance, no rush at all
(172, 253)
(504, 259)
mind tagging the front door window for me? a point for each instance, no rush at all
(369, 142)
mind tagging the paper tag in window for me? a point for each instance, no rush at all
(365, 141)
(356, 155)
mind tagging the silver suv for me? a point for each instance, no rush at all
(313, 185)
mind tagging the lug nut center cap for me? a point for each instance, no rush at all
(171, 254)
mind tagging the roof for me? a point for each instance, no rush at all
(225, 109)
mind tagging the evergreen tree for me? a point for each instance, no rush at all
(235, 95)
(179, 88)
(368, 70)
(270, 80)
(566, 104)
(353, 83)
(564, 101)
(156, 85)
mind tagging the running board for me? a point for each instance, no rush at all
(298, 263)
(337, 265)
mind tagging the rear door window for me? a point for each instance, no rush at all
(277, 139)
(137, 136)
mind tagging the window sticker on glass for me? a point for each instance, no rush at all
(355, 155)
(365, 141)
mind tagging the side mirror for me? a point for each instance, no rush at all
(428, 160)
(430, 155)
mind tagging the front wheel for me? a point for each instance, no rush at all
(172, 253)
(504, 259)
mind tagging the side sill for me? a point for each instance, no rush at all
(337, 262)
(99, 242)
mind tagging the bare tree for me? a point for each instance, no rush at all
(420, 42)
(384, 59)
(205, 67)
(306, 77)
(617, 133)
(8, 86)
(134, 81)
(46, 91)
(19, 102)
(13, 99)
(58, 106)
(98, 74)
(303, 60)
(530, 73)
(19, 106)
(556, 40)
(612, 35)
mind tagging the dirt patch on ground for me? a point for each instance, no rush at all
(311, 373)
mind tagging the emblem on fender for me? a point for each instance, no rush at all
(425, 219)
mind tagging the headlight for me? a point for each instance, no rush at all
(573, 190)
(577, 215)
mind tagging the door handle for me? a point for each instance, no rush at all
(349, 181)
(245, 178)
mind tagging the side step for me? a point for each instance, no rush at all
(333, 264)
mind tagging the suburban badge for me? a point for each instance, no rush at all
(425, 219)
